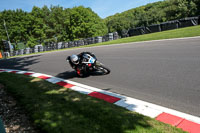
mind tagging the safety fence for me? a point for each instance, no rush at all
(60, 45)
(185, 22)
(170, 25)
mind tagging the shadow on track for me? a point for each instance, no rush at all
(67, 75)
(73, 74)
(19, 63)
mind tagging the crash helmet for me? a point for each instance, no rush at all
(74, 59)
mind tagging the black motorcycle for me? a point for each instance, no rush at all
(89, 65)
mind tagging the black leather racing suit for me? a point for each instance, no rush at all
(79, 66)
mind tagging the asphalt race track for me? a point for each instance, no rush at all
(166, 72)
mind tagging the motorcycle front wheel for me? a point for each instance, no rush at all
(100, 67)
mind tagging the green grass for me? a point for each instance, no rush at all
(55, 109)
(177, 33)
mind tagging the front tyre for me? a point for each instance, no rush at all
(104, 69)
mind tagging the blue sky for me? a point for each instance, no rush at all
(103, 8)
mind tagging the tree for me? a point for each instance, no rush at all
(83, 23)
(37, 25)
(153, 13)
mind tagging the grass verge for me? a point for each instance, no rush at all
(177, 33)
(55, 109)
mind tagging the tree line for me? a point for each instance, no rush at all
(54, 24)
(153, 13)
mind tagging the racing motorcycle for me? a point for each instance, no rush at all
(90, 65)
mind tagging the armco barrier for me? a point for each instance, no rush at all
(153, 28)
(169, 25)
(137, 31)
(124, 33)
(186, 22)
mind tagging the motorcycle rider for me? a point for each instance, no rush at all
(76, 61)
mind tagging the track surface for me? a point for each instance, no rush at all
(166, 72)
